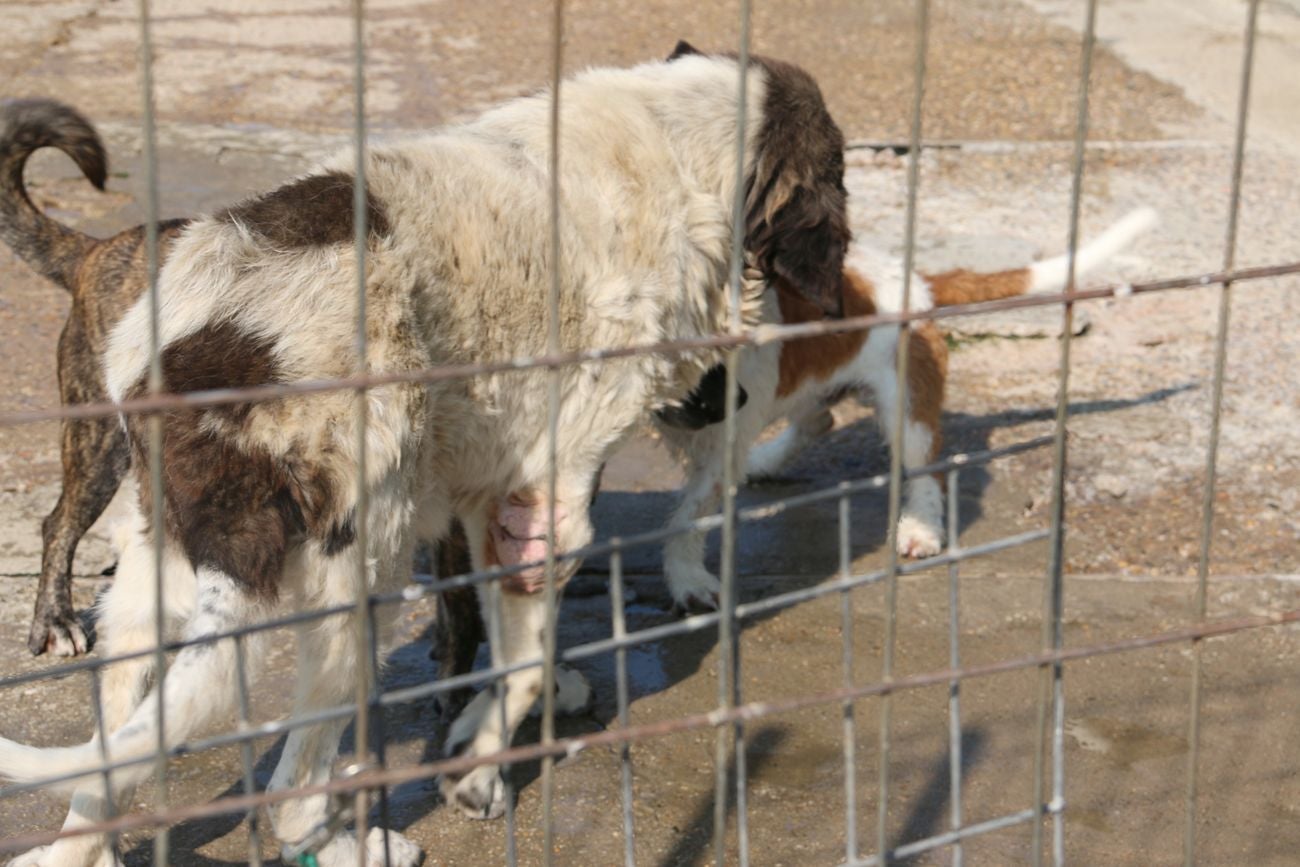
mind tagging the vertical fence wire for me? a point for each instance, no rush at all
(246, 749)
(847, 714)
(361, 620)
(954, 662)
(898, 426)
(155, 429)
(1212, 447)
(549, 590)
(492, 606)
(618, 614)
(728, 641)
(1051, 698)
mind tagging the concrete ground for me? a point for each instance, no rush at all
(249, 93)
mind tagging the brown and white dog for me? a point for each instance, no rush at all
(260, 501)
(794, 380)
(105, 277)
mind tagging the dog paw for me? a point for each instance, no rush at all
(480, 794)
(342, 851)
(401, 851)
(918, 539)
(54, 856)
(58, 634)
(573, 694)
(765, 461)
(693, 589)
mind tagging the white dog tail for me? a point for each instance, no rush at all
(968, 287)
(198, 689)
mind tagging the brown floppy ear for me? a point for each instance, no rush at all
(808, 240)
(683, 49)
(799, 236)
(796, 224)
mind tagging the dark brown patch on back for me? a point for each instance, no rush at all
(817, 358)
(233, 508)
(796, 225)
(311, 212)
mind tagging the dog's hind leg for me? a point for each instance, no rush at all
(920, 523)
(95, 457)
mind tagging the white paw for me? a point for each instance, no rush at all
(692, 587)
(480, 794)
(401, 851)
(573, 694)
(72, 852)
(766, 459)
(917, 538)
(342, 850)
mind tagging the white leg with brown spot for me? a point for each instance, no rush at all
(920, 520)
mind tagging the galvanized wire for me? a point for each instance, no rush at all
(954, 662)
(1216, 410)
(675, 725)
(728, 638)
(757, 337)
(618, 617)
(361, 619)
(550, 593)
(1051, 699)
(849, 720)
(898, 422)
(155, 422)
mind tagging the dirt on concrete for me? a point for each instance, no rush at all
(252, 93)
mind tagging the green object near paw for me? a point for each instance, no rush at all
(308, 859)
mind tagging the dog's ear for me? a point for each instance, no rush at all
(683, 49)
(808, 239)
(796, 222)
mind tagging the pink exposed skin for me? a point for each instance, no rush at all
(517, 534)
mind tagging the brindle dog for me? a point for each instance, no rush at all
(104, 277)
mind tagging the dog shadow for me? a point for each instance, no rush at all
(855, 451)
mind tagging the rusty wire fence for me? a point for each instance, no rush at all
(370, 778)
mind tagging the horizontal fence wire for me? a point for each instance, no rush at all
(756, 337)
(612, 545)
(644, 731)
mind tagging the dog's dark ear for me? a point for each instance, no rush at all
(683, 49)
(808, 244)
(796, 223)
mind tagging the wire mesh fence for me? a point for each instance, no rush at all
(349, 796)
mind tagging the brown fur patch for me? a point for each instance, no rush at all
(312, 212)
(817, 358)
(968, 287)
(231, 507)
(796, 225)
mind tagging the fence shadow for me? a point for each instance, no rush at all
(855, 451)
